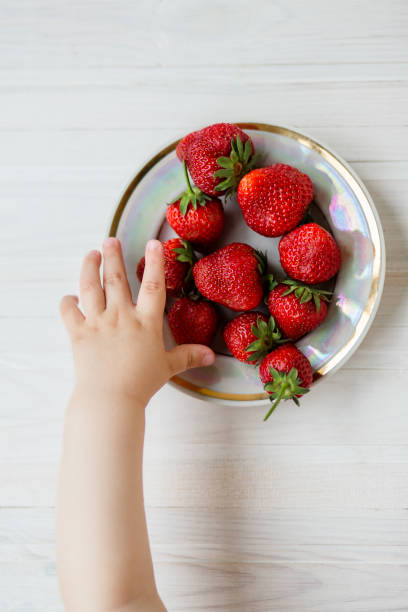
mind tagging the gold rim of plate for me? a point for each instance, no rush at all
(364, 200)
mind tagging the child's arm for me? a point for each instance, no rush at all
(103, 553)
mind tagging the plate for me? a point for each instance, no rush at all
(342, 203)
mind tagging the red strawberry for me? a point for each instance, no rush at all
(193, 321)
(140, 268)
(178, 261)
(231, 276)
(286, 374)
(274, 200)
(297, 308)
(195, 216)
(250, 336)
(217, 157)
(309, 254)
(185, 143)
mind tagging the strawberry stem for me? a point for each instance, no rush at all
(192, 195)
(276, 402)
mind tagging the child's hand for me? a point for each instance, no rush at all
(118, 346)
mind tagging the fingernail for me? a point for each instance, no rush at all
(109, 242)
(208, 358)
(94, 253)
(153, 245)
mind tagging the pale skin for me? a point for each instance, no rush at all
(103, 554)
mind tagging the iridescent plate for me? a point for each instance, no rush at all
(344, 205)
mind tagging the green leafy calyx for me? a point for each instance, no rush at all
(192, 195)
(185, 254)
(262, 262)
(283, 387)
(305, 293)
(267, 336)
(233, 168)
(268, 280)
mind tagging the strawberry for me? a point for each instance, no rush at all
(309, 254)
(250, 336)
(178, 260)
(286, 374)
(297, 308)
(274, 200)
(217, 157)
(140, 268)
(231, 276)
(193, 321)
(195, 216)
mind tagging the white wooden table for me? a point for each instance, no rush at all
(310, 511)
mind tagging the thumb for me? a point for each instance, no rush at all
(188, 356)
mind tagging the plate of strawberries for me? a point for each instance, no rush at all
(274, 257)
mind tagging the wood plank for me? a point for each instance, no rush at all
(158, 101)
(120, 79)
(262, 588)
(154, 34)
(274, 537)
